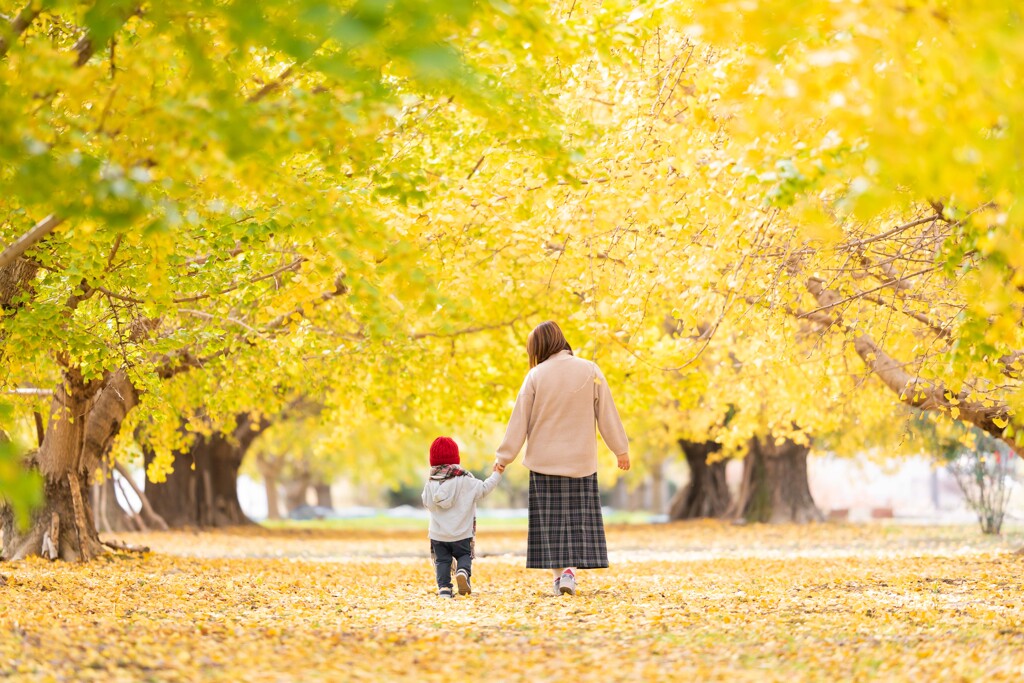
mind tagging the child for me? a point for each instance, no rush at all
(450, 495)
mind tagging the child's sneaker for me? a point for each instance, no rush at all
(462, 578)
(445, 593)
(567, 584)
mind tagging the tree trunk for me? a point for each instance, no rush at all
(63, 527)
(323, 494)
(658, 488)
(295, 491)
(147, 518)
(109, 516)
(775, 488)
(706, 494)
(270, 469)
(202, 490)
(273, 497)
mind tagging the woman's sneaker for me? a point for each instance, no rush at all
(445, 593)
(462, 578)
(567, 584)
(558, 589)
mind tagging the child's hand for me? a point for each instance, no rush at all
(498, 467)
(624, 461)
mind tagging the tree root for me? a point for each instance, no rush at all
(51, 538)
(124, 547)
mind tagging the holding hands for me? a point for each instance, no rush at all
(498, 467)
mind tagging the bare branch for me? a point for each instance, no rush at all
(473, 330)
(476, 168)
(293, 266)
(29, 391)
(859, 295)
(943, 330)
(148, 512)
(856, 244)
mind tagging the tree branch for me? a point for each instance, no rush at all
(29, 239)
(84, 46)
(147, 510)
(837, 301)
(340, 289)
(272, 86)
(211, 317)
(857, 244)
(473, 330)
(293, 266)
(944, 331)
(18, 25)
(913, 390)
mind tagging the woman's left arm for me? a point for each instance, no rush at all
(608, 422)
(518, 426)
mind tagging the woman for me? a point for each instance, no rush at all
(561, 400)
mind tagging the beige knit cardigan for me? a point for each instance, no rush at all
(561, 402)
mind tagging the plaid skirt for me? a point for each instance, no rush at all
(566, 528)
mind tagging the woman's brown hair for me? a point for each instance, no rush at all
(545, 341)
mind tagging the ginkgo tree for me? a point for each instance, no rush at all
(191, 186)
(756, 188)
(216, 207)
(892, 144)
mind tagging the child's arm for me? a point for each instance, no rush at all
(425, 498)
(488, 485)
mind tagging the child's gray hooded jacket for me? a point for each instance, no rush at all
(452, 505)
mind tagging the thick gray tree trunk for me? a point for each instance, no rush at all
(84, 417)
(775, 488)
(202, 491)
(706, 494)
(323, 494)
(295, 491)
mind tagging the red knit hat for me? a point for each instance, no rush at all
(444, 451)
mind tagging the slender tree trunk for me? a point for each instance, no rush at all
(270, 470)
(273, 497)
(147, 518)
(706, 494)
(775, 488)
(202, 491)
(109, 516)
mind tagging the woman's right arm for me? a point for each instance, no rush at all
(518, 424)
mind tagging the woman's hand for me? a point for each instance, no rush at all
(624, 461)
(498, 467)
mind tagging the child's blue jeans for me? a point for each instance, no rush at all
(444, 552)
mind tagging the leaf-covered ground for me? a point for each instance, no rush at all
(698, 601)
